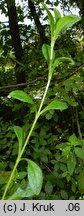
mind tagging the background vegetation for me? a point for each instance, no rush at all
(57, 143)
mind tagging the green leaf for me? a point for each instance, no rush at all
(75, 141)
(21, 175)
(50, 17)
(60, 60)
(62, 146)
(9, 65)
(46, 49)
(73, 138)
(57, 16)
(3, 165)
(48, 187)
(79, 143)
(22, 193)
(56, 104)
(66, 151)
(22, 96)
(20, 135)
(71, 163)
(79, 152)
(2, 180)
(81, 181)
(34, 186)
(48, 116)
(35, 177)
(64, 195)
(65, 23)
(64, 174)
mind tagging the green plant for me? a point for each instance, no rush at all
(35, 177)
(71, 151)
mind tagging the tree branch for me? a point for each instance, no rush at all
(33, 81)
(35, 16)
(78, 125)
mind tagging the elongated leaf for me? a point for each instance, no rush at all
(35, 177)
(60, 60)
(57, 16)
(46, 51)
(79, 152)
(64, 23)
(22, 193)
(71, 163)
(56, 104)
(50, 17)
(20, 135)
(22, 96)
(62, 146)
(79, 143)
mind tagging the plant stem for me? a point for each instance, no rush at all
(33, 125)
(11, 177)
(36, 118)
(27, 139)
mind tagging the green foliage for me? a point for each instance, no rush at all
(71, 163)
(20, 136)
(71, 153)
(81, 181)
(34, 184)
(46, 49)
(50, 17)
(22, 96)
(64, 23)
(79, 152)
(61, 161)
(56, 104)
(21, 193)
(58, 24)
(35, 177)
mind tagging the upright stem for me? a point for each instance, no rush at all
(11, 177)
(34, 122)
(26, 142)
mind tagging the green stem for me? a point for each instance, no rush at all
(36, 118)
(33, 125)
(27, 139)
(11, 177)
(51, 60)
